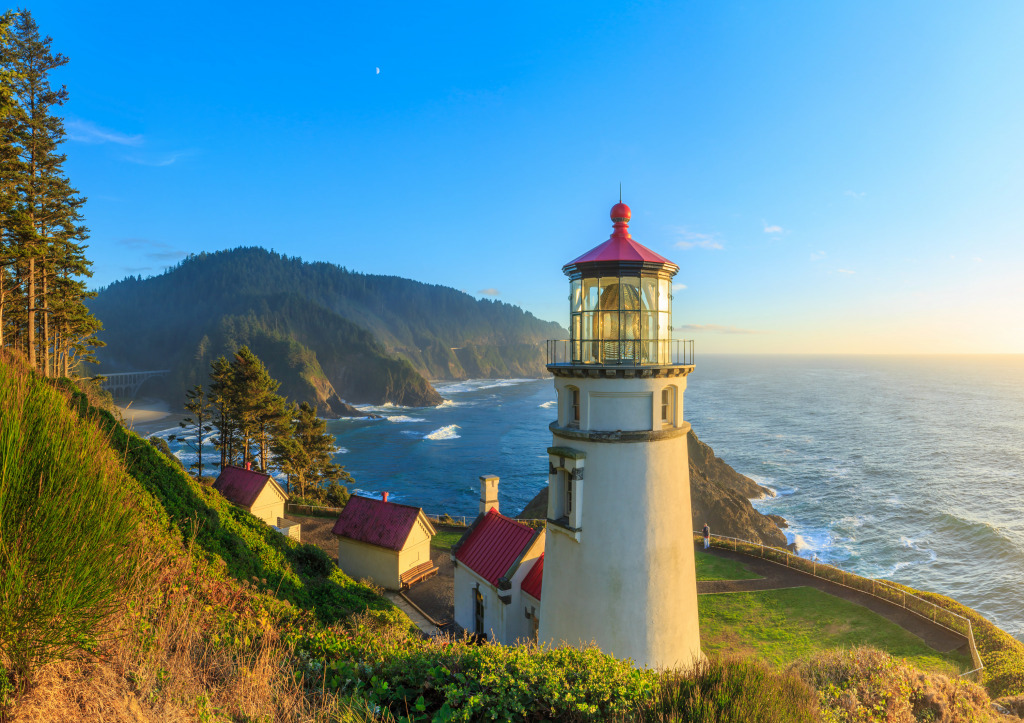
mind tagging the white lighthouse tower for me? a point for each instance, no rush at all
(619, 566)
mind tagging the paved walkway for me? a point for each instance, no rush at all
(777, 577)
(418, 620)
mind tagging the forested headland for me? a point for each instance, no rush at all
(327, 333)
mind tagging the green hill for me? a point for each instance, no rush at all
(327, 333)
(130, 592)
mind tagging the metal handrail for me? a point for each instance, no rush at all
(620, 352)
(876, 588)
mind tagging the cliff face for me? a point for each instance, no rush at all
(719, 495)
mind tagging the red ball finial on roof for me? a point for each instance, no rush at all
(620, 212)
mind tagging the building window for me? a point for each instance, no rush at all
(478, 611)
(534, 623)
(575, 417)
(568, 495)
(668, 403)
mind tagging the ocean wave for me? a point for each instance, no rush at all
(475, 385)
(447, 403)
(341, 450)
(548, 405)
(446, 432)
(404, 418)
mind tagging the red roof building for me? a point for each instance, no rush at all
(534, 579)
(491, 562)
(494, 545)
(375, 522)
(241, 486)
(386, 542)
(255, 492)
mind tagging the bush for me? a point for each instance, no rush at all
(67, 526)
(866, 685)
(737, 690)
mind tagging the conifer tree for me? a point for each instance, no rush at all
(42, 234)
(306, 458)
(198, 407)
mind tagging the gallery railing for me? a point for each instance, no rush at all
(620, 352)
(876, 588)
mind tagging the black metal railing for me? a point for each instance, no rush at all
(620, 352)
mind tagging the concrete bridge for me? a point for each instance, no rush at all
(124, 385)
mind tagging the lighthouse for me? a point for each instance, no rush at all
(619, 560)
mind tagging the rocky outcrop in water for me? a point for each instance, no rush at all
(719, 495)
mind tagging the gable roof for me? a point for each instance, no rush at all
(534, 578)
(243, 486)
(376, 522)
(494, 545)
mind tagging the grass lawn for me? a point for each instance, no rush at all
(780, 626)
(710, 567)
(444, 539)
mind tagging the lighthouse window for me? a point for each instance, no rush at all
(668, 398)
(568, 495)
(575, 406)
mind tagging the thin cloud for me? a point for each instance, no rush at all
(489, 292)
(84, 131)
(678, 287)
(694, 240)
(156, 161)
(817, 255)
(155, 250)
(717, 329)
(772, 229)
(845, 271)
(855, 194)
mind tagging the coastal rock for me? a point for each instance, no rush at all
(719, 495)
(341, 408)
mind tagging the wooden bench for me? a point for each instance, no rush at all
(415, 574)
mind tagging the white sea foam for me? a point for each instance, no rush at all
(341, 450)
(473, 385)
(404, 418)
(447, 403)
(446, 432)
(548, 405)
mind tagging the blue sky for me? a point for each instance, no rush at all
(830, 176)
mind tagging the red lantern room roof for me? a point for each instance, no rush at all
(620, 247)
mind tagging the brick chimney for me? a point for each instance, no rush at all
(384, 496)
(488, 493)
(248, 466)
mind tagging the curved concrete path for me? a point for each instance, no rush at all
(777, 577)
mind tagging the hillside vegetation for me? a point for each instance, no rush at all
(327, 333)
(189, 609)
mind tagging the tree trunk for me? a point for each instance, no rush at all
(47, 372)
(32, 313)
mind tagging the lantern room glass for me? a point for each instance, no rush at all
(623, 319)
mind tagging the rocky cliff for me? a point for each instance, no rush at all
(719, 495)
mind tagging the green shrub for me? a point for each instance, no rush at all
(67, 524)
(737, 690)
(865, 685)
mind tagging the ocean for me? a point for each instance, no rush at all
(907, 468)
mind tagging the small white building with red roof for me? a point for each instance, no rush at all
(258, 493)
(386, 542)
(492, 561)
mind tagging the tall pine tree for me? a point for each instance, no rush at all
(42, 254)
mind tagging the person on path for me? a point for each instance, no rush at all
(707, 535)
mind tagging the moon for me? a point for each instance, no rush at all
(378, 71)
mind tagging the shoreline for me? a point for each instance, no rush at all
(148, 415)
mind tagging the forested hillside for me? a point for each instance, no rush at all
(322, 330)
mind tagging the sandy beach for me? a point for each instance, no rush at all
(148, 415)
